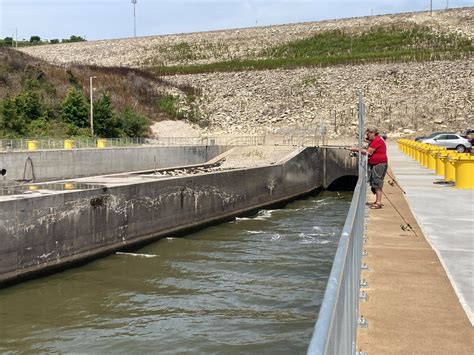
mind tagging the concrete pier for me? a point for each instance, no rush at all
(46, 165)
(418, 294)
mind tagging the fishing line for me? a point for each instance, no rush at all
(407, 225)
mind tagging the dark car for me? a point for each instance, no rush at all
(431, 136)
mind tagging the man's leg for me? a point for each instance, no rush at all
(378, 196)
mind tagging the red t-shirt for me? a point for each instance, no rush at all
(380, 153)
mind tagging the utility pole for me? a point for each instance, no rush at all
(16, 37)
(447, 4)
(431, 7)
(134, 2)
(92, 104)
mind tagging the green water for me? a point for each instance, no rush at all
(253, 285)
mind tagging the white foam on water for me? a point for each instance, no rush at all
(275, 237)
(138, 255)
(243, 219)
(254, 232)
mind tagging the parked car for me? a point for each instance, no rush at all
(470, 135)
(450, 141)
(434, 134)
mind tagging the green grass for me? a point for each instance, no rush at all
(339, 47)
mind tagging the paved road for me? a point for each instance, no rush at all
(446, 217)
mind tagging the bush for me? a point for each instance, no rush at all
(133, 124)
(75, 108)
(106, 123)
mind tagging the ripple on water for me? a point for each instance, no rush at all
(249, 286)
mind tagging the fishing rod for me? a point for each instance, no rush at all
(393, 182)
(405, 227)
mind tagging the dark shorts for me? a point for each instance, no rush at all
(376, 175)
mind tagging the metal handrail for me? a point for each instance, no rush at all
(336, 328)
(335, 331)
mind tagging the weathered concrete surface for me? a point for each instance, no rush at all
(446, 217)
(67, 164)
(37, 233)
(412, 307)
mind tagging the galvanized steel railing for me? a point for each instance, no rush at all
(11, 145)
(335, 331)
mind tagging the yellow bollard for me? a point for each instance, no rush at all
(424, 157)
(449, 168)
(32, 145)
(68, 144)
(431, 158)
(439, 162)
(101, 143)
(464, 165)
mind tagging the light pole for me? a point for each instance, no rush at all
(134, 2)
(92, 104)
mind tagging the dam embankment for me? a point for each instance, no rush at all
(41, 232)
(46, 165)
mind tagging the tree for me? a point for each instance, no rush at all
(133, 124)
(12, 123)
(28, 104)
(8, 41)
(54, 41)
(73, 38)
(106, 123)
(75, 108)
(35, 39)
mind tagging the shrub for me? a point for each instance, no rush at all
(133, 124)
(75, 109)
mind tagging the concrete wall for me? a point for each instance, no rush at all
(69, 164)
(40, 233)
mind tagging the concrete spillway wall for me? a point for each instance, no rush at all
(45, 232)
(69, 164)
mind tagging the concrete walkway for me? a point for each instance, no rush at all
(446, 217)
(412, 307)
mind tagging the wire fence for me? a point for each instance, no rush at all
(32, 144)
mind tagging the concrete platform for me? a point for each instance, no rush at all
(446, 217)
(412, 307)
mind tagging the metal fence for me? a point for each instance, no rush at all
(10, 145)
(336, 328)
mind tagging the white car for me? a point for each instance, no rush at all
(450, 141)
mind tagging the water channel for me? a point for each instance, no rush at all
(253, 285)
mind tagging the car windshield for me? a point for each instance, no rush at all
(432, 135)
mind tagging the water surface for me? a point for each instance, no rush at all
(253, 285)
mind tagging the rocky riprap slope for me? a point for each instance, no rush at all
(401, 98)
(207, 47)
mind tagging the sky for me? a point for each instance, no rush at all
(106, 19)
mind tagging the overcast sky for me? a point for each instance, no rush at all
(103, 19)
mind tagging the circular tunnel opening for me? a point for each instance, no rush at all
(344, 183)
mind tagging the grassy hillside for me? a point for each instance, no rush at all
(38, 99)
(382, 44)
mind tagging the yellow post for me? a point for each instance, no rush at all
(464, 166)
(68, 144)
(101, 143)
(439, 162)
(431, 158)
(424, 154)
(32, 145)
(449, 169)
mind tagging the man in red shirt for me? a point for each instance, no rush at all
(377, 164)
